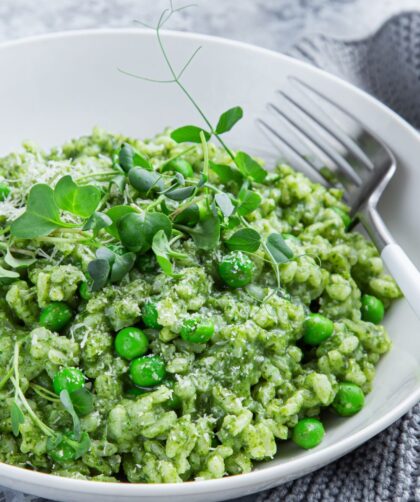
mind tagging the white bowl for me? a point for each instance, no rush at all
(55, 87)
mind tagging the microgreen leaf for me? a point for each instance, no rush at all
(226, 173)
(68, 405)
(17, 418)
(225, 204)
(129, 157)
(249, 202)
(162, 250)
(96, 222)
(189, 133)
(41, 217)
(179, 194)
(121, 266)
(250, 167)
(79, 200)
(136, 231)
(13, 262)
(82, 401)
(119, 181)
(115, 213)
(82, 446)
(144, 181)
(228, 119)
(8, 274)
(206, 234)
(99, 270)
(104, 253)
(189, 216)
(246, 239)
(278, 248)
(79, 447)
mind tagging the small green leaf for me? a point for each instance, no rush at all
(115, 213)
(144, 181)
(79, 200)
(250, 167)
(225, 204)
(119, 181)
(245, 239)
(68, 405)
(81, 446)
(8, 274)
(99, 270)
(129, 157)
(136, 231)
(162, 250)
(41, 217)
(121, 266)
(82, 401)
(17, 418)
(189, 216)
(97, 222)
(13, 262)
(228, 119)
(189, 134)
(226, 173)
(206, 234)
(179, 194)
(278, 248)
(249, 202)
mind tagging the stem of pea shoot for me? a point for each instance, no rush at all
(164, 18)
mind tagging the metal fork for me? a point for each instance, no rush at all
(359, 163)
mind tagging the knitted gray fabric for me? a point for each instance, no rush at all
(387, 64)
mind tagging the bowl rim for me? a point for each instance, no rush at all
(290, 469)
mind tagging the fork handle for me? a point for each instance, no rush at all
(405, 273)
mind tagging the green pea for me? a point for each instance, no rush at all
(180, 166)
(4, 191)
(70, 379)
(196, 330)
(372, 309)
(150, 315)
(147, 371)
(55, 316)
(236, 269)
(343, 215)
(308, 433)
(130, 343)
(316, 329)
(84, 291)
(349, 399)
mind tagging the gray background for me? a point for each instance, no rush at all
(387, 468)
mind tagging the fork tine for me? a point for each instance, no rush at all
(342, 139)
(345, 168)
(305, 162)
(343, 111)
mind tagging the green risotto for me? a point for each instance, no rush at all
(170, 315)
